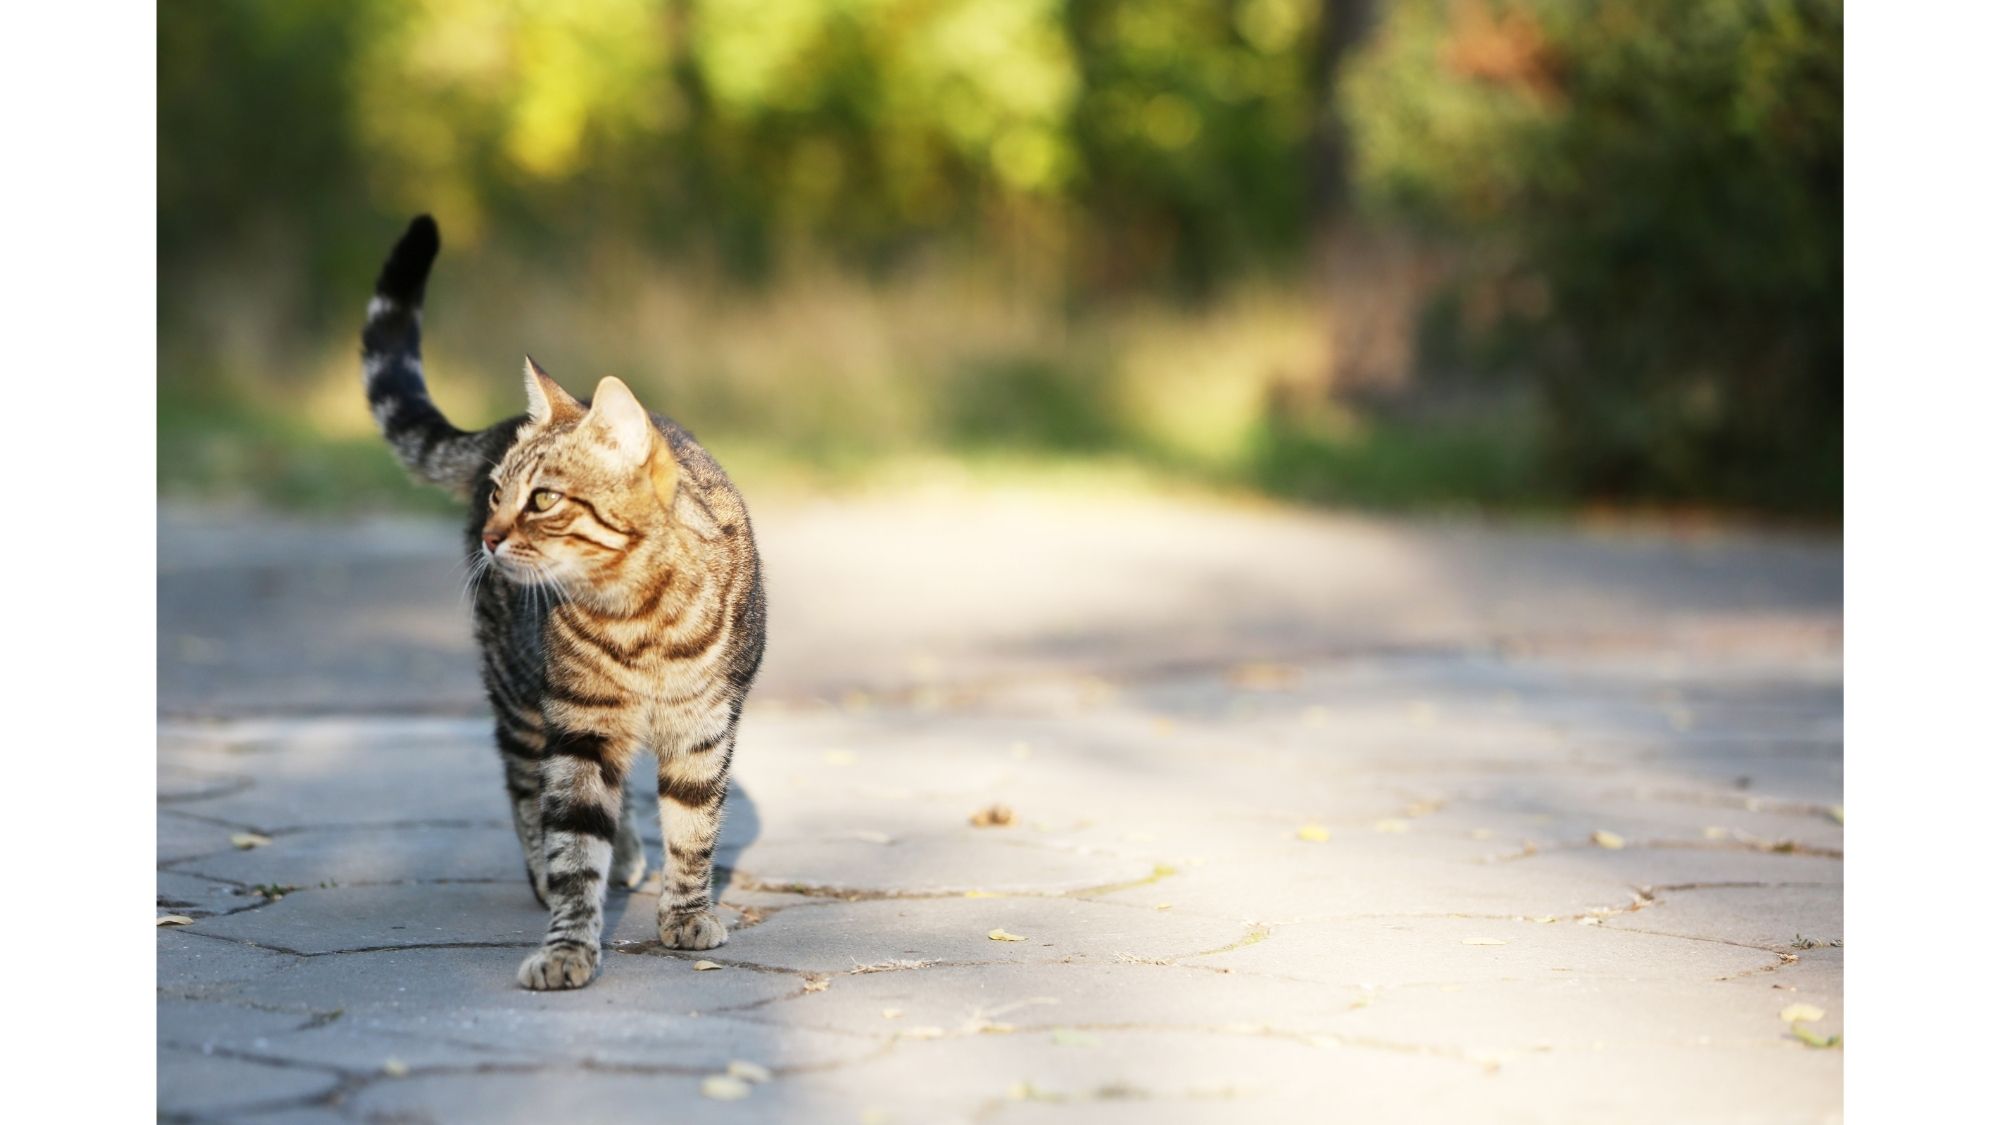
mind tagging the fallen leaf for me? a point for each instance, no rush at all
(704, 966)
(748, 1071)
(1003, 935)
(1838, 813)
(248, 840)
(395, 1068)
(1481, 941)
(1070, 1037)
(1715, 832)
(1313, 833)
(1163, 906)
(1611, 840)
(1263, 676)
(1590, 921)
(818, 983)
(173, 920)
(980, 894)
(992, 816)
(1798, 1012)
(1812, 1038)
(723, 1088)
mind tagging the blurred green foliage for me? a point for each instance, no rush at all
(1648, 197)
(849, 228)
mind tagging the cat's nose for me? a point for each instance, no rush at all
(491, 539)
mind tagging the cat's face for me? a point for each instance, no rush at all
(580, 491)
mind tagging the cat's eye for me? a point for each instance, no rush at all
(543, 499)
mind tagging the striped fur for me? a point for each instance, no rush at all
(619, 608)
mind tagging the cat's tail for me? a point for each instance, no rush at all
(392, 366)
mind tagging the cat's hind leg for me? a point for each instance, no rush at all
(521, 740)
(628, 851)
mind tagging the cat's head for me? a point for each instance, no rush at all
(582, 491)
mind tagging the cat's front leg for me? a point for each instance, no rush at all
(582, 783)
(693, 782)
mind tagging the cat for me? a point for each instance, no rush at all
(619, 607)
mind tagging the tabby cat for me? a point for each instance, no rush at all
(619, 607)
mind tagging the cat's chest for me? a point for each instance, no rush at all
(655, 672)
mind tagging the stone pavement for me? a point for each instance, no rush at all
(1313, 816)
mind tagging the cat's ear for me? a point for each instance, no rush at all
(547, 401)
(626, 427)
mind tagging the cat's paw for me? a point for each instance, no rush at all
(692, 931)
(558, 966)
(631, 874)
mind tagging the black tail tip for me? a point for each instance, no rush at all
(409, 264)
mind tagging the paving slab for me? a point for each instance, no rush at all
(1295, 816)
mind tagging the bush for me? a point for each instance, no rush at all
(1648, 197)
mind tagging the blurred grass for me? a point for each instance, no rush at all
(828, 383)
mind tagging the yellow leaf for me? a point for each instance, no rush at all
(980, 894)
(704, 966)
(1003, 935)
(748, 1071)
(992, 816)
(1838, 813)
(1264, 677)
(723, 1088)
(1481, 941)
(1813, 1039)
(1611, 840)
(1798, 1012)
(818, 983)
(249, 840)
(1313, 833)
(172, 920)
